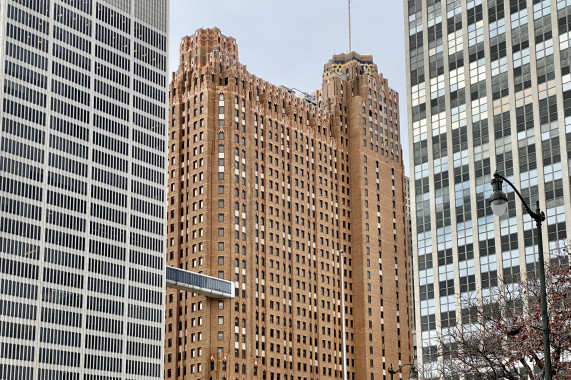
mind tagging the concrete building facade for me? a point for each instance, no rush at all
(488, 89)
(82, 188)
(297, 200)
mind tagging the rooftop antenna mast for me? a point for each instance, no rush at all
(349, 7)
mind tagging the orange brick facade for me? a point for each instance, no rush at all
(271, 190)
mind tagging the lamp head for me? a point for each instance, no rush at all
(413, 373)
(499, 199)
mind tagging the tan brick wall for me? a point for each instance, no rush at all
(293, 197)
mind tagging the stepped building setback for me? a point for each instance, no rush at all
(299, 200)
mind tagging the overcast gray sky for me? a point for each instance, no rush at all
(287, 42)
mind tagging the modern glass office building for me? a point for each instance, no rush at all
(82, 188)
(489, 88)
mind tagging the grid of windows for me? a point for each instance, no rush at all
(71, 148)
(524, 104)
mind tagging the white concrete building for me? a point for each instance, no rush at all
(489, 88)
(82, 188)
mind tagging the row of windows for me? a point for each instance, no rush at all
(150, 75)
(144, 331)
(144, 350)
(147, 242)
(144, 368)
(68, 165)
(113, 18)
(22, 73)
(17, 331)
(17, 310)
(113, 39)
(16, 352)
(60, 337)
(22, 92)
(149, 107)
(108, 178)
(15, 372)
(69, 128)
(145, 277)
(108, 214)
(21, 169)
(24, 112)
(107, 268)
(66, 201)
(106, 344)
(111, 126)
(23, 209)
(24, 131)
(150, 91)
(109, 196)
(21, 189)
(70, 110)
(66, 183)
(149, 124)
(150, 37)
(111, 109)
(112, 58)
(108, 142)
(60, 358)
(64, 239)
(71, 56)
(18, 289)
(148, 174)
(63, 258)
(145, 295)
(106, 287)
(40, 6)
(112, 91)
(62, 297)
(72, 20)
(72, 75)
(26, 37)
(110, 74)
(149, 141)
(104, 325)
(107, 232)
(146, 225)
(84, 6)
(26, 56)
(146, 260)
(70, 92)
(150, 57)
(20, 228)
(105, 306)
(110, 160)
(147, 191)
(22, 150)
(145, 313)
(65, 220)
(28, 19)
(103, 363)
(68, 146)
(72, 39)
(107, 250)
(146, 207)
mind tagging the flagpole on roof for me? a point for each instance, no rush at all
(349, 7)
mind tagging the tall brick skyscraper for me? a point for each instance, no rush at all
(290, 198)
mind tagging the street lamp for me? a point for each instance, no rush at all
(412, 375)
(499, 203)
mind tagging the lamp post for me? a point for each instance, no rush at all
(499, 203)
(412, 375)
(343, 314)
